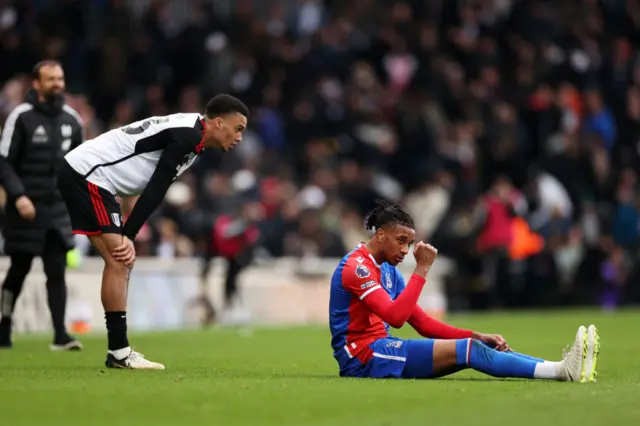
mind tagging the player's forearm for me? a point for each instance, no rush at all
(397, 312)
(430, 327)
(139, 214)
(149, 201)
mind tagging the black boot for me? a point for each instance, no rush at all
(64, 342)
(5, 333)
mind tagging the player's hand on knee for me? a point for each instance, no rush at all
(495, 341)
(425, 254)
(126, 252)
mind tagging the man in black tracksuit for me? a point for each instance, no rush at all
(36, 136)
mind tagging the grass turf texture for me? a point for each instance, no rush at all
(288, 377)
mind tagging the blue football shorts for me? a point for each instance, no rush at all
(398, 359)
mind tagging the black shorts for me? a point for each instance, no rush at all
(93, 210)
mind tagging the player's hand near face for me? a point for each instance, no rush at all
(126, 252)
(496, 341)
(425, 254)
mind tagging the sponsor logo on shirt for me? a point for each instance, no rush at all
(368, 284)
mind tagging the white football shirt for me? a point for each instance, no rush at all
(124, 159)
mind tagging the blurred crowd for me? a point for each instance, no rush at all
(510, 129)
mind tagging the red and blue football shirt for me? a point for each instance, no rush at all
(353, 325)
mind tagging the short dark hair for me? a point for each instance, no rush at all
(35, 72)
(225, 104)
(387, 214)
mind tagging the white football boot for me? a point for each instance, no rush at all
(593, 350)
(575, 357)
(135, 361)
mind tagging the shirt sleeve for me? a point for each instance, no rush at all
(182, 142)
(358, 280)
(431, 328)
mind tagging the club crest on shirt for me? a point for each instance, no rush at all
(362, 271)
(387, 280)
(115, 218)
(66, 130)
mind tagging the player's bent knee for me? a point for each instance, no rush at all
(106, 245)
(116, 265)
(110, 241)
(454, 352)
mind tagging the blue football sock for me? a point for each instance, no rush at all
(532, 358)
(480, 357)
(529, 357)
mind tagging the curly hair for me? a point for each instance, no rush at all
(387, 214)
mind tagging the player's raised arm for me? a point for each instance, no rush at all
(393, 312)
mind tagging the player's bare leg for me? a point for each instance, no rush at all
(115, 275)
(115, 283)
(444, 358)
(469, 353)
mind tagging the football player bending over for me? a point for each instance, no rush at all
(141, 159)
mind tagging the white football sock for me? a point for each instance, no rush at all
(121, 353)
(548, 370)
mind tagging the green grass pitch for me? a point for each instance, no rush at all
(286, 376)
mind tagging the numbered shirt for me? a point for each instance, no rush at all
(123, 160)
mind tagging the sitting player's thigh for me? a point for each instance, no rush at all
(432, 358)
(388, 361)
(419, 364)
